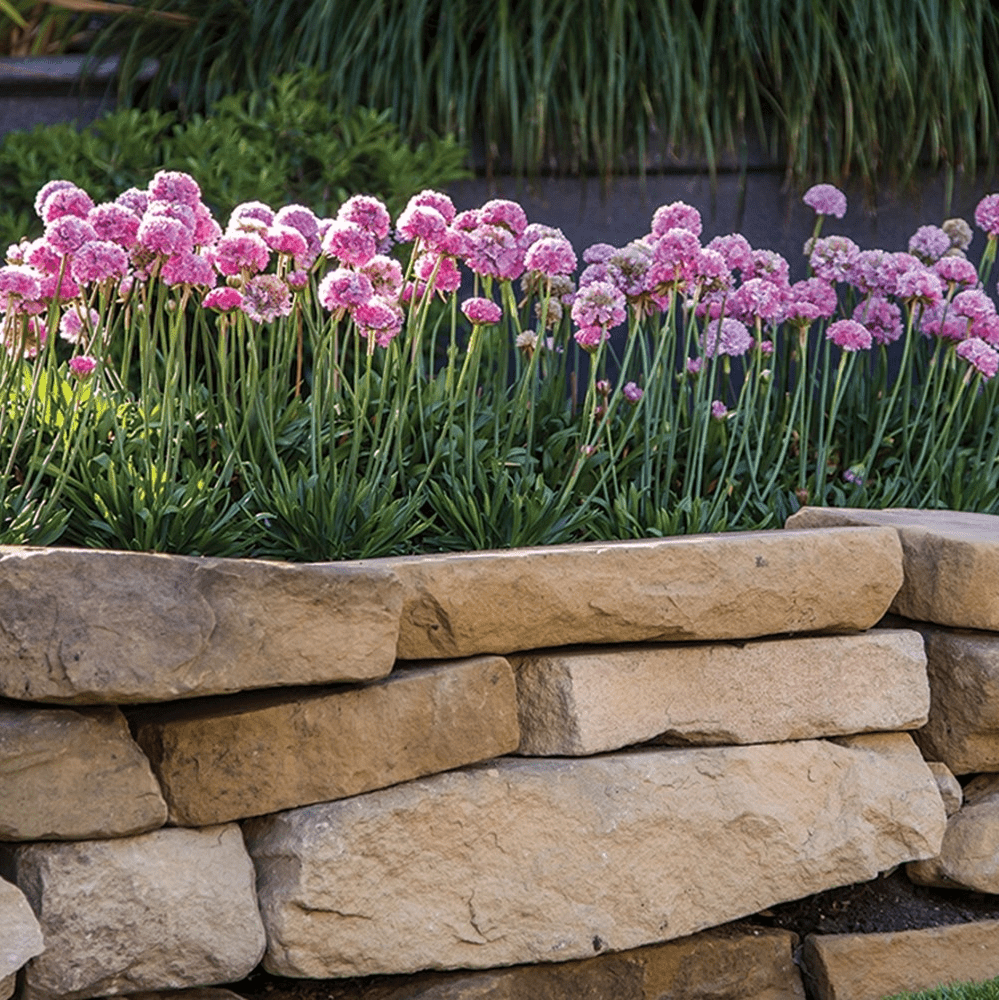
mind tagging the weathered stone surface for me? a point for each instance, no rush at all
(872, 966)
(73, 774)
(585, 701)
(526, 860)
(723, 964)
(20, 936)
(969, 855)
(729, 586)
(227, 758)
(951, 561)
(90, 627)
(962, 730)
(950, 787)
(207, 993)
(163, 910)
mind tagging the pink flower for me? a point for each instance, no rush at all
(298, 217)
(378, 319)
(975, 306)
(495, 251)
(74, 325)
(919, 284)
(259, 215)
(368, 213)
(421, 222)
(674, 258)
(771, 266)
(344, 289)
(711, 271)
(929, 243)
(598, 253)
(45, 192)
(297, 279)
(678, 215)
(938, 320)
(826, 199)
(349, 243)
(236, 253)
(631, 392)
(223, 299)
(833, 257)
(175, 186)
(956, 271)
(18, 281)
(726, 336)
(987, 215)
(433, 199)
(385, 275)
(501, 212)
(590, 337)
(849, 335)
(597, 308)
(757, 299)
(98, 260)
(135, 200)
(719, 410)
(482, 312)
(881, 317)
(68, 233)
(628, 269)
(979, 355)
(163, 235)
(737, 252)
(265, 298)
(67, 201)
(188, 268)
(551, 255)
(440, 273)
(82, 366)
(184, 214)
(286, 240)
(115, 223)
(206, 229)
(819, 293)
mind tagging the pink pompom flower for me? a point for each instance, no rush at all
(979, 356)
(550, 256)
(164, 235)
(826, 199)
(987, 215)
(68, 233)
(368, 213)
(481, 311)
(726, 336)
(632, 392)
(116, 223)
(240, 253)
(421, 222)
(437, 200)
(343, 289)
(378, 320)
(67, 201)
(678, 215)
(175, 186)
(189, 268)
(505, 213)
(224, 299)
(74, 324)
(929, 243)
(265, 298)
(82, 366)
(349, 243)
(97, 261)
(849, 335)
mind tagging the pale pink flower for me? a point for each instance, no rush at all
(255, 214)
(496, 252)
(881, 317)
(440, 273)
(632, 392)
(873, 271)
(436, 200)
(135, 200)
(421, 222)
(726, 336)
(286, 240)
(116, 223)
(975, 306)
(598, 253)
(298, 217)
(678, 215)
(849, 335)
(737, 252)
(18, 281)
(189, 268)
(987, 215)
(297, 279)
(826, 199)
(184, 214)
(919, 284)
(628, 269)
(956, 271)
(349, 243)
(368, 213)
(819, 293)
(551, 256)
(929, 243)
(345, 289)
(175, 186)
(74, 324)
(66, 234)
(482, 312)
(505, 213)
(719, 410)
(224, 299)
(82, 366)
(590, 337)
(939, 320)
(757, 299)
(468, 220)
(236, 253)
(67, 201)
(206, 229)
(265, 298)
(164, 235)
(711, 271)
(597, 308)
(46, 191)
(833, 257)
(979, 355)
(98, 260)
(385, 275)
(379, 319)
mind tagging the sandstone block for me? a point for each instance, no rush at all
(20, 936)
(163, 910)
(665, 589)
(962, 729)
(73, 774)
(575, 701)
(221, 759)
(89, 627)
(528, 860)
(951, 561)
(950, 787)
(729, 963)
(969, 854)
(872, 966)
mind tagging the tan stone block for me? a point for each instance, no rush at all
(87, 627)
(950, 787)
(73, 774)
(872, 966)
(20, 935)
(164, 910)
(728, 586)
(528, 860)
(221, 759)
(962, 729)
(574, 701)
(951, 561)
(729, 963)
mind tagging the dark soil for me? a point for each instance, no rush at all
(889, 903)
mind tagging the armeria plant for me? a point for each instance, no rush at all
(310, 388)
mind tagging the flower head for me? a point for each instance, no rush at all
(75, 324)
(849, 335)
(188, 268)
(345, 289)
(116, 223)
(265, 298)
(726, 336)
(987, 215)
(175, 186)
(979, 355)
(551, 255)
(235, 253)
(434, 199)
(421, 222)
(882, 317)
(224, 299)
(368, 213)
(379, 320)
(632, 392)
(833, 257)
(68, 233)
(82, 366)
(481, 311)
(826, 199)
(98, 260)
(929, 243)
(501, 212)
(349, 243)
(678, 215)
(66, 201)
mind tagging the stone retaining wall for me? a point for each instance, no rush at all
(541, 773)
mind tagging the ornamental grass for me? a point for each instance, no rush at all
(311, 388)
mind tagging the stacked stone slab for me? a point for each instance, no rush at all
(416, 763)
(950, 595)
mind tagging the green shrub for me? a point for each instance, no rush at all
(280, 145)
